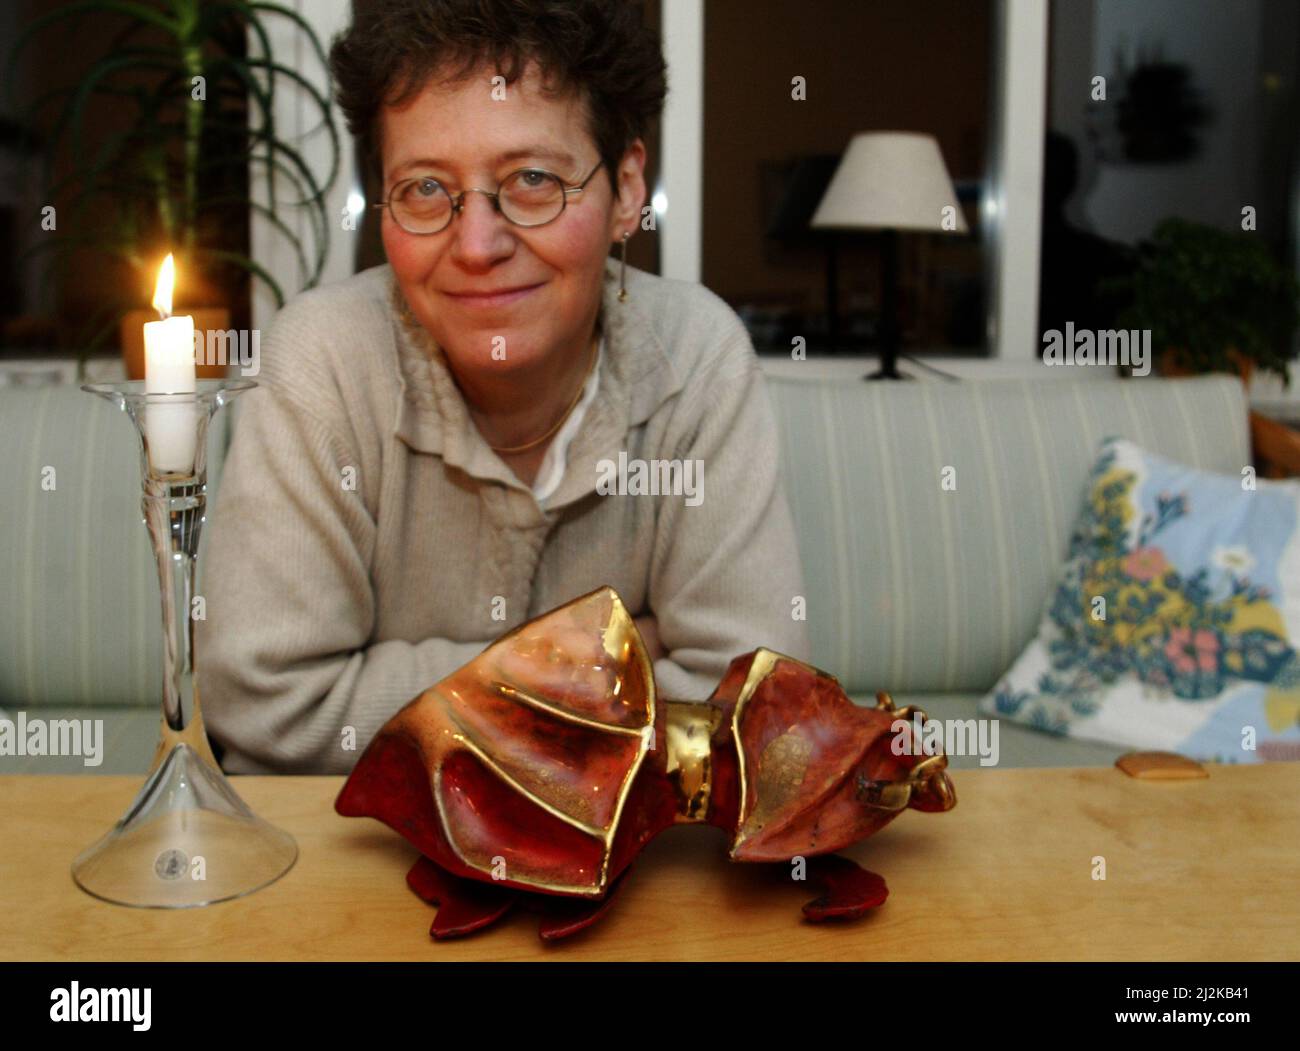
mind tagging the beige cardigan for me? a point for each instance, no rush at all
(365, 541)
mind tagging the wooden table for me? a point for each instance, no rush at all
(1194, 870)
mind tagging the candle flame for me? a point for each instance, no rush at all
(162, 296)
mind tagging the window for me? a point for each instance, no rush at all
(889, 65)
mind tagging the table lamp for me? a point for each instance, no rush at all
(890, 181)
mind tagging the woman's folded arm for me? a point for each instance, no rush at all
(288, 677)
(726, 573)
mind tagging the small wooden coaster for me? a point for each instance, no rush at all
(1160, 766)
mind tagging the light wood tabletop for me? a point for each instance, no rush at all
(1197, 870)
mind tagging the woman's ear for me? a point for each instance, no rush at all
(630, 195)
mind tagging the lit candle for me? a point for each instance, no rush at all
(169, 369)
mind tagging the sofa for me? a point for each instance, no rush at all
(924, 589)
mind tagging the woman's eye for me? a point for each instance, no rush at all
(533, 179)
(426, 187)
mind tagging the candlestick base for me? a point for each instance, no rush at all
(187, 839)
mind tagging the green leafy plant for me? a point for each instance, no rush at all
(193, 125)
(1212, 297)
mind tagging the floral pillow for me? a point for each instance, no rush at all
(1176, 622)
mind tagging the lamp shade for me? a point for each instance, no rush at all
(890, 180)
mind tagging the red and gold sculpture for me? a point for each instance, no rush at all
(536, 773)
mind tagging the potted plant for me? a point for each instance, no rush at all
(152, 150)
(1213, 301)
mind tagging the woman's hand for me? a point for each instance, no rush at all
(649, 629)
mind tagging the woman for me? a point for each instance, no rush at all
(444, 447)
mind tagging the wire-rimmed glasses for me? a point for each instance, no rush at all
(527, 197)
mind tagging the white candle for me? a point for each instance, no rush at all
(169, 355)
(169, 369)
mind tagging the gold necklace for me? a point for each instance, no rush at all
(508, 449)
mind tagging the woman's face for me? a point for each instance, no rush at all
(460, 134)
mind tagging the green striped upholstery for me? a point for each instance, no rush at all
(912, 588)
(80, 619)
(909, 588)
(128, 739)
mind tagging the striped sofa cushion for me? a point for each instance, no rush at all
(913, 588)
(80, 620)
(909, 588)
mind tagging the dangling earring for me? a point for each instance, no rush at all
(622, 270)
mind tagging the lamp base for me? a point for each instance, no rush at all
(889, 372)
(186, 840)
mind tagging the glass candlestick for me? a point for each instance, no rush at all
(187, 839)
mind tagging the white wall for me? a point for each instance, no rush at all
(681, 162)
(1013, 205)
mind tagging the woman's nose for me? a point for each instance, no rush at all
(480, 234)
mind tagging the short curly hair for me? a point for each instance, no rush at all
(599, 50)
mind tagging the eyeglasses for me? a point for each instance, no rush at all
(527, 197)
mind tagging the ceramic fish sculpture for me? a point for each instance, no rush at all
(535, 774)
